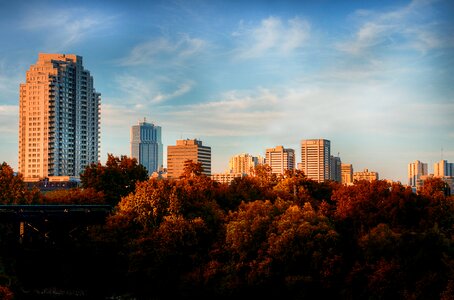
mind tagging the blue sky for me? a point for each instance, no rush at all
(374, 77)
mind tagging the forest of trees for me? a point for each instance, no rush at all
(269, 237)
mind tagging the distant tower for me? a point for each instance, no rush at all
(347, 174)
(186, 150)
(335, 169)
(280, 159)
(244, 163)
(59, 118)
(315, 159)
(416, 169)
(146, 146)
(443, 169)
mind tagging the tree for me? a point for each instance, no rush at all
(6, 293)
(74, 196)
(192, 169)
(116, 179)
(13, 189)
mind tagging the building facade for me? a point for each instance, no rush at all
(315, 159)
(443, 169)
(416, 169)
(226, 177)
(347, 174)
(59, 118)
(365, 175)
(146, 146)
(280, 159)
(335, 169)
(185, 150)
(244, 163)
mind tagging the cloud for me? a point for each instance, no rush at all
(272, 35)
(66, 27)
(139, 90)
(407, 27)
(234, 113)
(10, 79)
(9, 115)
(154, 50)
(181, 90)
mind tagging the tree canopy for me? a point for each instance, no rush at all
(116, 179)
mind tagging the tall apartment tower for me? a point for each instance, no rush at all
(59, 118)
(416, 169)
(244, 163)
(146, 146)
(315, 159)
(187, 150)
(280, 159)
(443, 169)
(347, 174)
(335, 170)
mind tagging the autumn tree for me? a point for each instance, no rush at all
(167, 228)
(13, 189)
(278, 249)
(74, 196)
(116, 179)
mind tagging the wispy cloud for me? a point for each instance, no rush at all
(143, 92)
(153, 50)
(271, 35)
(407, 27)
(234, 113)
(66, 27)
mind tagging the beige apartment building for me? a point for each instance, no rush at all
(59, 118)
(365, 175)
(244, 163)
(185, 150)
(226, 177)
(280, 159)
(347, 174)
(315, 159)
(443, 169)
(416, 170)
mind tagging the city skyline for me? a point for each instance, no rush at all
(373, 78)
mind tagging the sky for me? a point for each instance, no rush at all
(376, 78)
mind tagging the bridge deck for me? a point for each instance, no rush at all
(60, 213)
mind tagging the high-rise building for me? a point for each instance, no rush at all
(416, 169)
(244, 163)
(347, 174)
(365, 175)
(335, 170)
(280, 159)
(186, 150)
(443, 169)
(146, 146)
(315, 159)
(59, 118)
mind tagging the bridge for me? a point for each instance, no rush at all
(48, 223)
